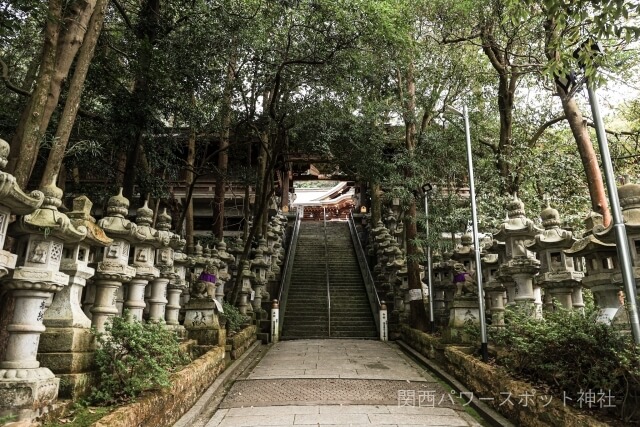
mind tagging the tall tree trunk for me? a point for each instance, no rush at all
(76, 86)
(189, 179)
(376, 209)
(573, 114)
(28, 138)
(148, 32)
(71, 31)
(418, 317)
(588, 156)
(223, 154)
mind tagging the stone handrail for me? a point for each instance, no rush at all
(326, 271)
(288, 267)
(374, 300)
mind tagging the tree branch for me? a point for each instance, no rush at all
(538, 133)
(8, 83)
(123, 13)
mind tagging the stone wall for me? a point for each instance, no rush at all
(240, 342)
(187, 386)
(489, 382)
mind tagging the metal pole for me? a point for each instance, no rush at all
(622, 244)
(429, 265)
(476, 242)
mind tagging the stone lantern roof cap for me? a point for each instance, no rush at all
(589, 245)
(222, 252)
(144, 215)
(11, 195)
(515, 208)
(197, 249)
(550, 217)
(164, 221)
(259, 261)
(149, 235)
(49, 221)
(629, 195)
(517, 224)
(118, 205)
(552, 237)
(116, 225)
(81, 216)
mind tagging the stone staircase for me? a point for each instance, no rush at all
(307, 314)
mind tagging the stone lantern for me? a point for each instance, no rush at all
(113, 270)
(557, 275)
(226, 261)
(247, 276)
(629, 195)
(148, 240)
(492, 282)
(464, 253)
(12, 200)
(440, 313)
(236, 248)
(25, 387)
(67, 344)
(259, 268)
(392, 281)
(601, 263)
(176, 287)
(167, 244)
(199, 261)
(520, 264)
(391, 222)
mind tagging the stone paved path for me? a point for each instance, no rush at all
(338, 383)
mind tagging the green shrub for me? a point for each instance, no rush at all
(569, 352)
(133, 357)
(234, 318)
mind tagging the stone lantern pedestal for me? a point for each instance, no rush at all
(464, 312)
(201, 322)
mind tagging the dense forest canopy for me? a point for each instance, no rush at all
(100, 94)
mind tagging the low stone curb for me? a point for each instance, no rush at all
(494, 386)
(241, 341)
(165, 407)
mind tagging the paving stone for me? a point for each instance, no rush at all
(331, 419)
(336, 383)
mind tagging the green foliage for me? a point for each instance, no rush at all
(569, 351)
(234, 318)
(133, 357)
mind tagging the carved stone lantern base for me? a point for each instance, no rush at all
(27, 394)
(464, 311)
(201, 322)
